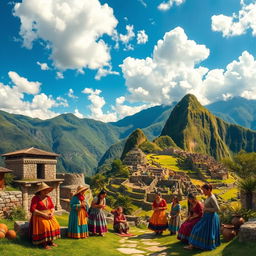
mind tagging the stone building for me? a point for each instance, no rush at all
(31, 167)
(134, 158)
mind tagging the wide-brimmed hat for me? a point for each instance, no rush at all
(44, 186)
(80, 189)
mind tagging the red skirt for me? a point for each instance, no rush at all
(186, 228)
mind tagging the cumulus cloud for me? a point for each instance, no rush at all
(12, 98)
(59, 75)
(71, 29)
(97, 103)
(102, 72)
(238, 79)
(71, 94)
(237, 24)
(169, 74)
(142, 37)
(164, 6)
(126, 38)
(43, 66)
(78, 114)
(23, 84)
(118, 111)
(174, 70)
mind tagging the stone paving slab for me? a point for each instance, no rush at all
(130, 251)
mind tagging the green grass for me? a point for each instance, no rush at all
(166, 161)
(230, 193)
(108, 245)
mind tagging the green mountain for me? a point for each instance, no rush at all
(151, 121)
(81, 142)
(193, 128)
(236, 110)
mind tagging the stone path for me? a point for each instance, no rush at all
(141, 245)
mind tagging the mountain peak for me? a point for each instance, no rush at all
(195, 129)
(134, 140)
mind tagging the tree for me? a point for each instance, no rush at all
(118, 169)
(98, 182)
(125, 202)
(243, 164)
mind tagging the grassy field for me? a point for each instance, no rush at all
(108, 245)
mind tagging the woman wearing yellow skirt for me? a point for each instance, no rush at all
(158, 221)
(44, 228)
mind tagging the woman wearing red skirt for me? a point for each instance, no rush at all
(195, 214)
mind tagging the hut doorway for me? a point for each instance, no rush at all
(40, 171)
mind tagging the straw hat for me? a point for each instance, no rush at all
(44, 186)
(80, 189)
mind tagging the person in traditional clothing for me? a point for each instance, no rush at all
(77, 223)
(206, 233)
(158, 221)
(174, 223)
(97, 223)
(194, 215)
(120, 223)
(44, 228)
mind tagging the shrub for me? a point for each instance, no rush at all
(8, 179)
(17, 213)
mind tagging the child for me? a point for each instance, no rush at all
(120, 223)
(174, 223)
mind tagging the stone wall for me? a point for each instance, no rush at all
(8, 201)
(71, 179)
(16, 166)
(26, 168)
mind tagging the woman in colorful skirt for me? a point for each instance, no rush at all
(158, 221)
(174, 223)
(195, 214)
(97, 221)
(206, 233)
(44, 228)
(77, 224)
(120, 223)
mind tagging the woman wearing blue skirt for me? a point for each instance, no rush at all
(206, 233)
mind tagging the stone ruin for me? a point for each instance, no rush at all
(69, 186)
(213, 168)
(31, 167)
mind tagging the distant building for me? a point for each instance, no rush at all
(135, 157)
(31, 167)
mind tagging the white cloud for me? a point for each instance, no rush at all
(119, 111)
(126, 38)
(71, 94)
(23, 84)
(169, 74)
(237, 24)
(143, 3)
(174, 70)
(71, 29)
(142, 37)
(97, 103)
(43, 66)
(61, 102)
(78, 114)
(164, 6)
(59, 75)
(102, 72)
(238, 79)
(12, 98)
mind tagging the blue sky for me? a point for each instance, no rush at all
(111, 58)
